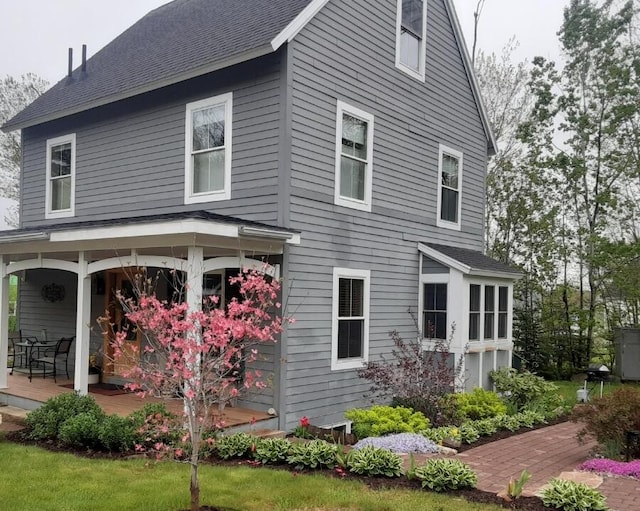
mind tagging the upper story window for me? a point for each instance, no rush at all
(449, 188)
(208, 149)
(61, 170)
(411, 33)
(350, 336)
(354, 157)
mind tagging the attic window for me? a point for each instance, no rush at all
(208, 150)
(60, 183)
(411, 28)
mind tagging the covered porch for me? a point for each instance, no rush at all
(194, 244)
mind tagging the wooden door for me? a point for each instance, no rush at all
(117, 280)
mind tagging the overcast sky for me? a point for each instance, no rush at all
(35, 34)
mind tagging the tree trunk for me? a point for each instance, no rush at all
(195, 488)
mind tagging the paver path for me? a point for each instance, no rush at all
(545, 453)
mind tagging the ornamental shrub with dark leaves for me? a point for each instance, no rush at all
(416, 378)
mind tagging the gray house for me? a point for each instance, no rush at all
(343, 142)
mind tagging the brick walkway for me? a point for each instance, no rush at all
(545, 453)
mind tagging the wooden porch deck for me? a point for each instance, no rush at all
(40, 389)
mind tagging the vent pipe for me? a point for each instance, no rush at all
(84, 58)
(70, 73)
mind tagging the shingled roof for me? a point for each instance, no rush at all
(470, 261)
(180, 40)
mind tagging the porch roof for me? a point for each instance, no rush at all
(189, 228)
(467, 261)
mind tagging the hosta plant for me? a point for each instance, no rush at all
(371, 461)
(443, 474)
(313, 454)
(272, 450)
(572, 496)
(238, 445)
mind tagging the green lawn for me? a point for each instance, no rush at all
(32, 478)
(569, 389)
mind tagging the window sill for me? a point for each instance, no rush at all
(67, 213)
(420, 76)
(448, 225)
(347, 364)
(353, 204)
(208, 197)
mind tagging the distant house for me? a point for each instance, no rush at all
(343, 142)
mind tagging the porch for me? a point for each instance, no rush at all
(30, 395)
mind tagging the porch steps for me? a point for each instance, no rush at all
(12, 418)
(269, 433)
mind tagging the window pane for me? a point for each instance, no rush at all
(488, 325)
(474, 326)
(61, 160)
(449, 205)
(352, 178)
(354, 137)
(350, 298)
(208, 171)
(474, 297)
(208, 128)
(429, 297)
(350, 338)
(502, 325)
(61, 193)
(441, 297)
(412, 16)
(409, 50)
(489, 298)
(450, 171)
(503, 294)
(435, 325)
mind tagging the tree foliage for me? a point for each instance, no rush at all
(15, 94)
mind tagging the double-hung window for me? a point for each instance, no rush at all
(474, 312)
(449, 188)
(434, 313)
(208, 149)
(350, 335)
(411, 31)
(354, 157)
(503, 311)
(489, 314)
(61, 169)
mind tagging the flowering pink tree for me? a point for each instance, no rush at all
(200, 356)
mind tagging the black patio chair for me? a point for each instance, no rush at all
(17, 354)
(52, 355)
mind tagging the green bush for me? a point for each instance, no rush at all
(45, 422)
(116, 434)
(522, 389)
(238, 445)
(485, 427)
(82, 430)
(383, 420)
(372, 461)
(443, 474)
(154, 424)
(468, 433)
(572, 496)
(480, 404)
(272, 450)
(508, 422)
(313, 454)
(608, 418)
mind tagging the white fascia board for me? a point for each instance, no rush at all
(444, 259)
(298, 23)
(496, 274)
(475, 87)
(25, 236)
(148, 87)
(144, 230)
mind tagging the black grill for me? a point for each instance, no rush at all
(598, 373)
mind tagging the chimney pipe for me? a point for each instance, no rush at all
(84, 58)
(70, 62)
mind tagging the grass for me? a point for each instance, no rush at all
(33, 478)
(569, 389)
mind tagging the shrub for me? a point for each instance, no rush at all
(116, 434)
(382, 420)
(400, 443)
(521, 389)
(154, 425)
(508, 422)
(372, 461)
(272, 450)
(313, 454)
(238, 445)
(443, 474)
(609, 417)
(45, 422)
(572, 496)
(485, 427)
(82, 430)
(480, 404)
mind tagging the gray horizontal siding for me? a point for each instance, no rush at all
(347, 53)
(130, 155)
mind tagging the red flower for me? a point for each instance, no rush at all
(304, 422)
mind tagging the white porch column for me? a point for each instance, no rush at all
(4, 322)
(83, 330)
(195, 265)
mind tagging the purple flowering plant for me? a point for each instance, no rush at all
(400, 443)
(606, 466)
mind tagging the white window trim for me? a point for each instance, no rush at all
(495, 340)
(456, 154)
(350, 363)
(365, 205)
(420, 74)
(195, 198)
(60, 213)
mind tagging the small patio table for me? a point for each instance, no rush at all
(31, 345)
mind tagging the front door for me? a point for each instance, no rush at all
(117, 280)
